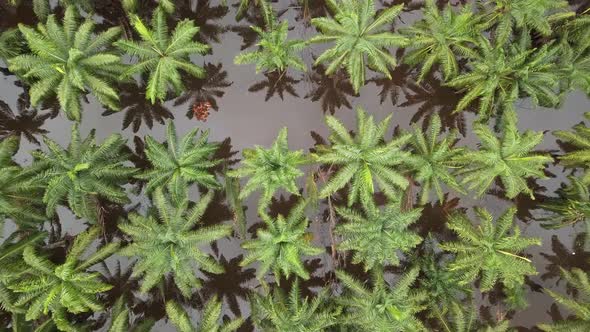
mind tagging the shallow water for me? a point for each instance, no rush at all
(250, 110)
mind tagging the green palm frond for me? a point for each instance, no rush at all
(270, 169)
(574, 63)
(378, 235)
(579, 307)
(163, 55)
(275, 52)
(570, 207)
(281, 244)
(19, 196)
(179, 163)
(11, 44)
(465, 319)
(433, 160)
(166, 242)
(491, 250)
(277, 312)
(42, 8)
(82, 173)
(56, 289)
(385, 307)
(264, 5)
(579, 137)
(363, 158)
(208, 322)
(69, 61)
(441, 38)
(508, 158)
(498, 76)
(360, 38)
(121, 322)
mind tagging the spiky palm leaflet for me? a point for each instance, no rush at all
(579, 137)
(166, 241)
(208, 322)
(360, 38)
(120, 321)
(69, 60)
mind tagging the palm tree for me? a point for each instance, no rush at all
(208, 322)
(579, 138)
(68, 60)
(206, 89)
(359, 39)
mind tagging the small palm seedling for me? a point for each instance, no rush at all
(363, 158)
(360, 37)
(120, 321)
(433, 159)
(570, 207)
(581, 309)
(464, 319)
(275, 52)
(384, 307)
(508, 158)
(82, 173)
(270, 169)
(377, 236)
(277, 311)
(180, 162)
(165, 243)
(68, 61)
(440, 38)
(59, 289)
(162, 55)
(579, 137)
(500, 75)
(280, 246)
(18, 195)
(525, 15)
(209, 320)
(492, 250)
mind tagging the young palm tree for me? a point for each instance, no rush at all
(441, 37)
(363, 158)
(490, 249)
(384, 307)
(433, 160)
(579, 137)
(270, 169)
(165, 242)
(163, 55)
(68, 287)
(498, 76)
(360, 38)
(581, 309)
(208, 322)
(82, 173)
(280, 246)
(68, 61)
(180, 162)
(508, 158)
(377, 236)
(276, 311)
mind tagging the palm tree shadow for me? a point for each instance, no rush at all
(564, 258)
(332, 91)
(27, 122)
(276, 83)
(205, 16)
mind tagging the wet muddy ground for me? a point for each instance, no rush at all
(250, 109)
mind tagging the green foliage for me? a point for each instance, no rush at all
(580, 308)
(579, 137)
(432, 159)
(19, 197)
(275, 52)
(440, 38)
(163, 55)
(42, 8)
(465, 320)
(574, 60)
(360, 38)
(68, 61)
(68, 287)
(209, 320)
(180, 162)
(384, 307)
(245, 4)
(498, 75)
(165, 243)
(378, 235)
(280, 246)
(277, 312)
(525, 15)
(508, 158)
(570, 207)
(11, 44)
(491, 250)
(364, 158)
(120, 321)
(82, 173)
(270, 169)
